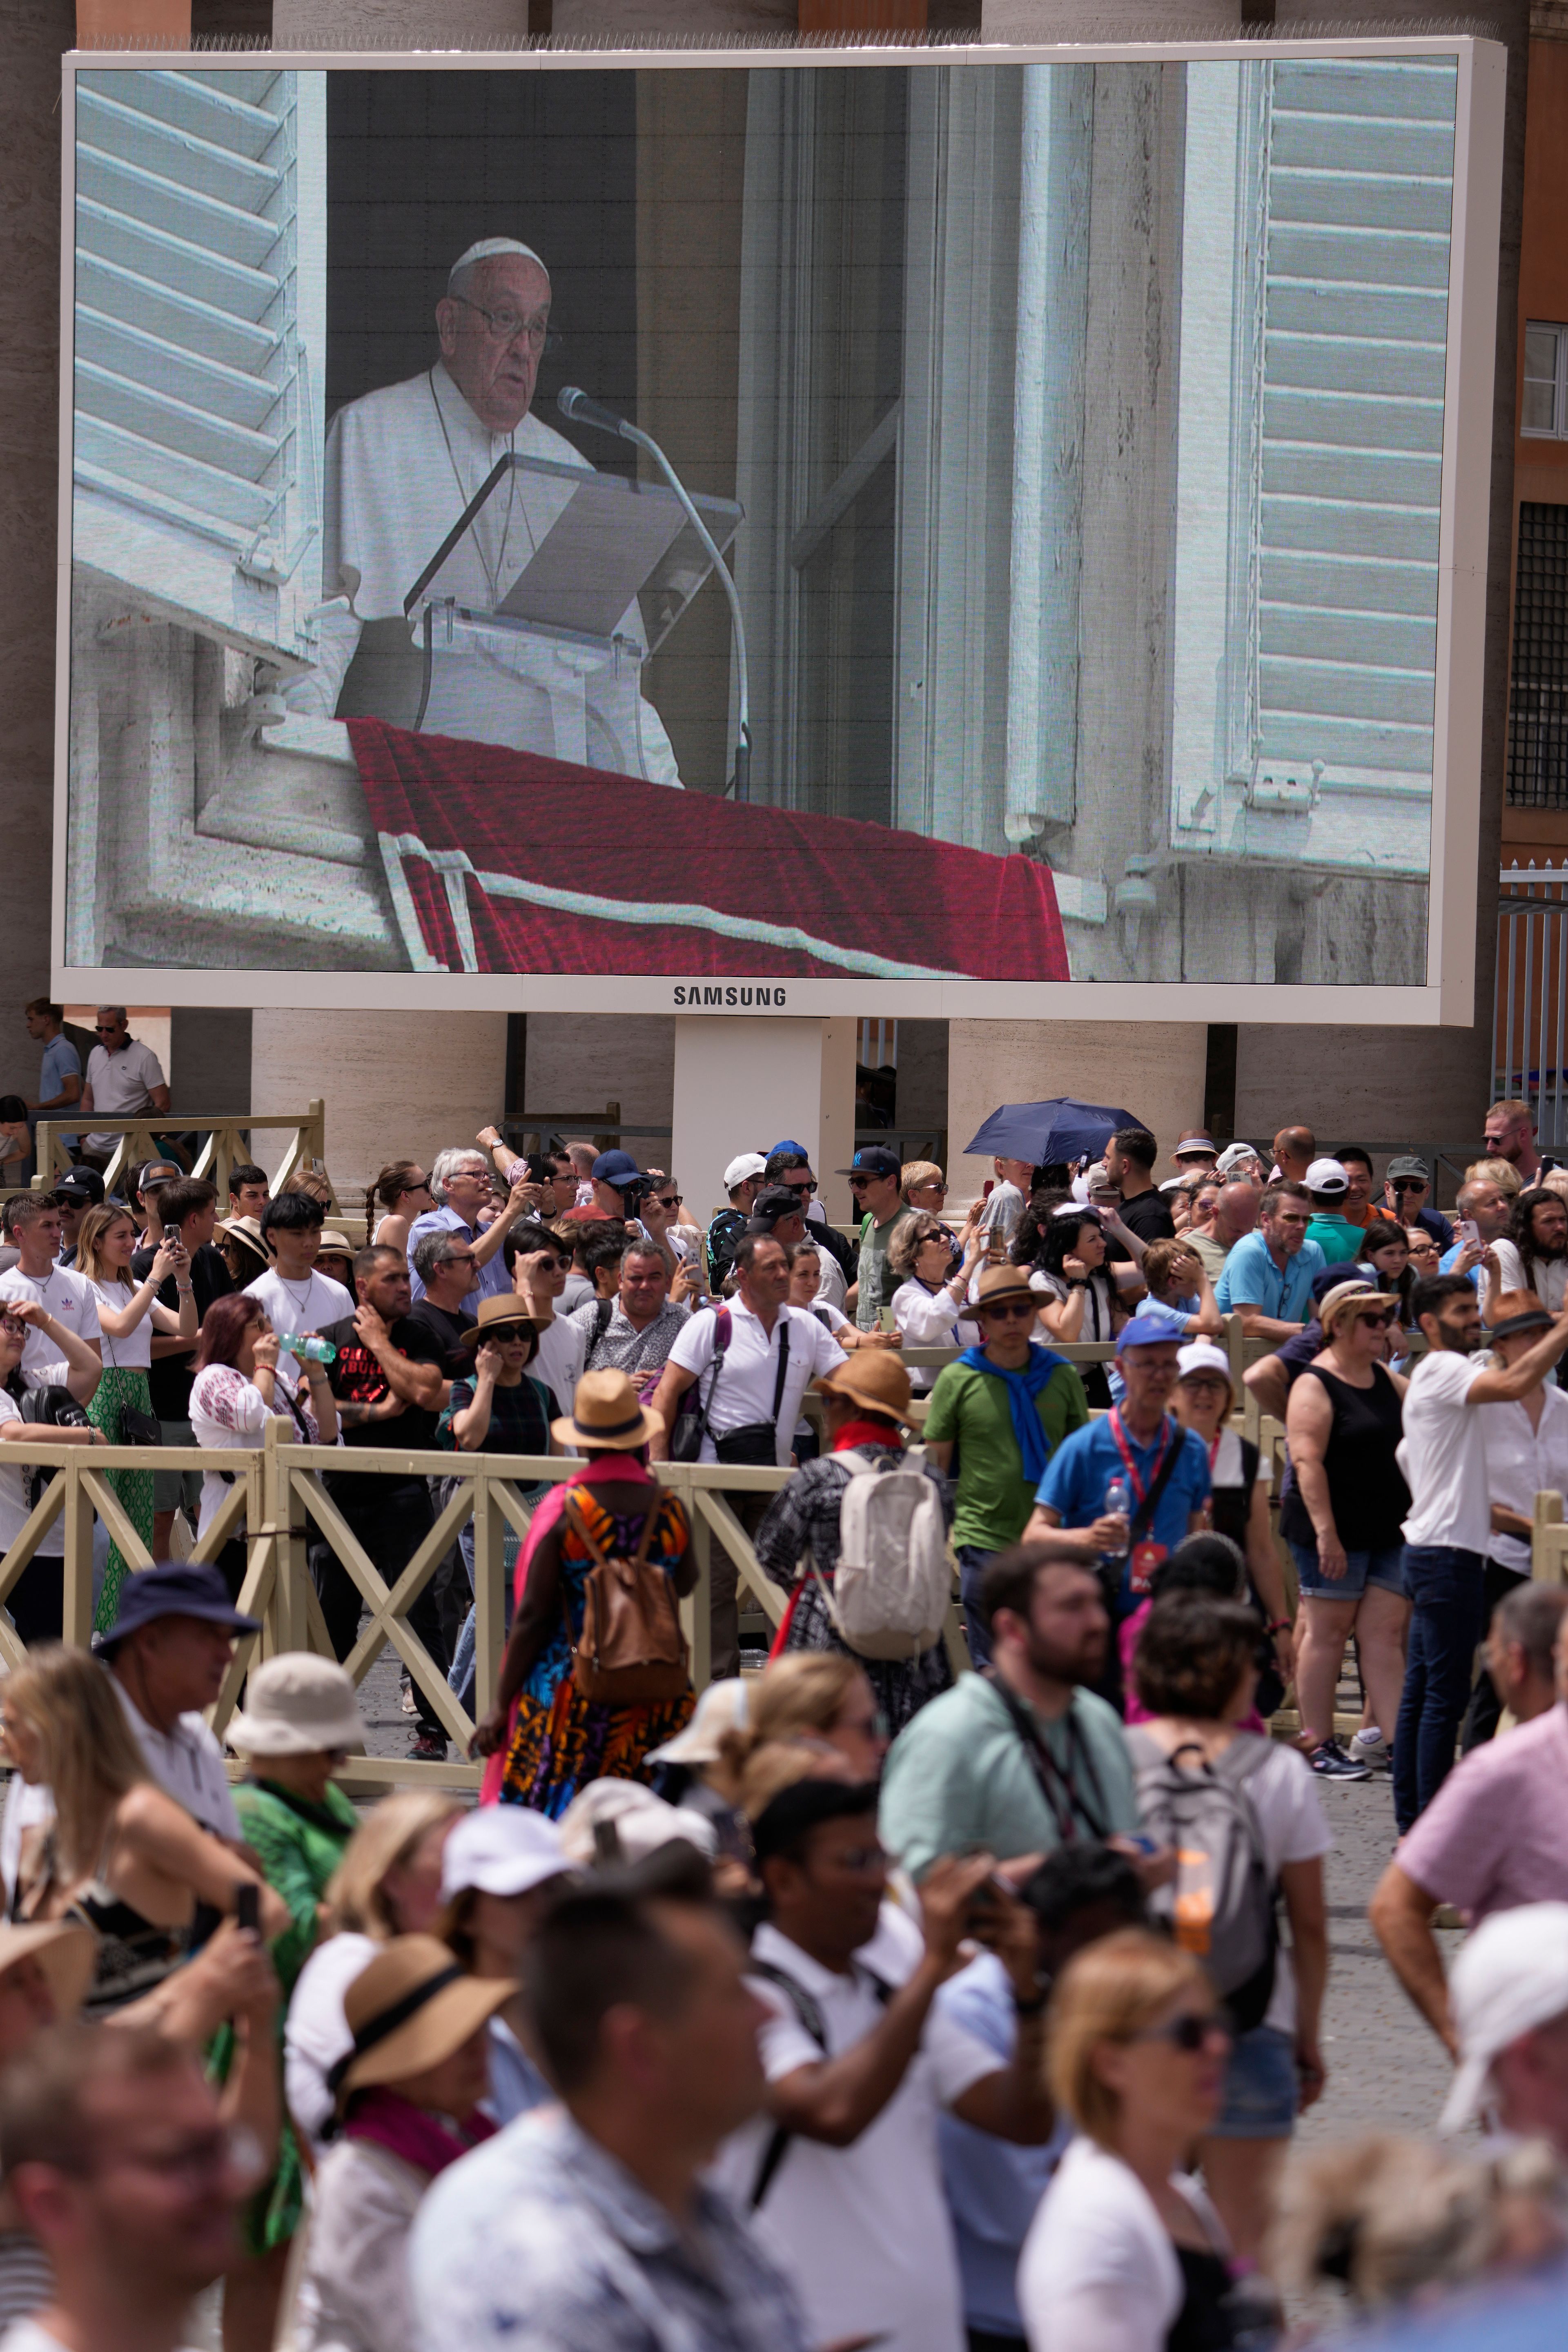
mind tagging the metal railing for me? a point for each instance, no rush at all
(224, 1141)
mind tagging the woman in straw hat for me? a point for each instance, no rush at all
(1341, 1514)
(551, 1740)
(408, 2106)
(866, 1406)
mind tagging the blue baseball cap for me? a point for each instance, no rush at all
(1148, 1332)
(179, 1588)
(617, 1167)
(789, 1144)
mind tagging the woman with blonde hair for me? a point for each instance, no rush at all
(128, 1315)
(1126, 2254)
(387, 1883)
(817, 1694)
(120, 1857)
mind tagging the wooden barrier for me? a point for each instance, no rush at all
(220, 1147)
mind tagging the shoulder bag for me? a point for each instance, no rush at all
(692, 1423)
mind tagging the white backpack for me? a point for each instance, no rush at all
(894, 1581)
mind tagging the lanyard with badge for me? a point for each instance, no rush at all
(1145, 1555)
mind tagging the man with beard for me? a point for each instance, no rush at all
(1533, 1255)
(1023, 1757)
(1443, 1456)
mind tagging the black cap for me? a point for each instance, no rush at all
(1330, 1277)
(80, 1184)
(873, 1160)
(769, 1207)
(179, 1588)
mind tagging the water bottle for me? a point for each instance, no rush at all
(312, 1349)
(1119, 1500)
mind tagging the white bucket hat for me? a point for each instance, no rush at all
(297, 1704)
(1510, 1975)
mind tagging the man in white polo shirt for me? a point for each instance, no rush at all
(168, 1652)
(124, 1078)
(750, 1399)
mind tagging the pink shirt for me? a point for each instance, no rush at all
(1496, 1835)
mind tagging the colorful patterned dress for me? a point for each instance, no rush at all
(559, 1739)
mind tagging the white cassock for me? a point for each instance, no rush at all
(400, 467)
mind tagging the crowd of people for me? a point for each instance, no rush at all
(948, 1978)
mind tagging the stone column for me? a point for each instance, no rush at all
(743, 1085)
(397, 1086)
(1153, 1069)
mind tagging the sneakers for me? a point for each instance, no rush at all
(430, 1748)
(1370, 1747)
(1330, 1762)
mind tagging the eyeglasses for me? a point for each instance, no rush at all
(1189, 2034)
(460, 1258)
(503, 326)
(11, 1330)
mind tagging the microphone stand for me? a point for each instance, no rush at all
(582, 410)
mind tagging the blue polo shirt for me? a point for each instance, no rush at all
(1084, 1464)
(61, 1061)
(494, 1280)
(1250, 1274)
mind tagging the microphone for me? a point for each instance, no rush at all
(575, 404)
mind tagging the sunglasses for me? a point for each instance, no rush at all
(1188, 2033)
(1378, 1322)
(930, 1184)
(1014, 1311)
(105, 1028)
(859, 1183)
(670, 1200)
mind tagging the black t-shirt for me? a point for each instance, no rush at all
(444, 1334)
(1148, 1216)
(356, 1378)
(169, 1380)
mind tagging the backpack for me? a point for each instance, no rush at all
(1223, 1904)
(894, 1581)
(49, 1407)
(632, 1649)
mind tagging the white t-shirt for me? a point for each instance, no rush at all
(68, 1296)
(562, 1353)
(15, 1510)
(864, 2229)
(298, 1306)
(1288, 1807)
(1098, 2269)
(1443, 1455)
(744, 1391)
(133, 1353)
(316, 2033)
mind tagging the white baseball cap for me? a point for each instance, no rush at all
(720, 1709)
(500, 1850)
(1327, 1176)
(643, 1823)
(749, 1163)
(1237, 1155)
(1203, 1356)
(1511, 1976)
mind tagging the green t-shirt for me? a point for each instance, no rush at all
(971, 1409)
(1337, 1238)
(873, 1274)
(959, 1778)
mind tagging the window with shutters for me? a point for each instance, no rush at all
(1537, 689)
(199, 318)
(1544, 413)
(1335, 570)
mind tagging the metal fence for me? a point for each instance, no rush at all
(1530, 1020)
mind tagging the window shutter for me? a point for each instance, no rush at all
(1358, 190)
(199, 294)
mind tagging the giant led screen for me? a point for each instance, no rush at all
(974, 531)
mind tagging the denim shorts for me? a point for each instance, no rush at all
(1384, 1568)
(1260, 2089)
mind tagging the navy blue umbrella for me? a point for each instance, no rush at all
(1061, 1129)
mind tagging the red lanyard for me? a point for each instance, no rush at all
(1134, 1480)
(1214, 1449)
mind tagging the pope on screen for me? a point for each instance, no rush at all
(401, 464)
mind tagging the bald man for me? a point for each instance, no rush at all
(401, 466)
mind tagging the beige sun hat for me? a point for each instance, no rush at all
(66, 1953)
(297, 1704)
(409, 2009)
(1350, 1294)
(607, 1414)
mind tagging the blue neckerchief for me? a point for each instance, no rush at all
(1023, 1389)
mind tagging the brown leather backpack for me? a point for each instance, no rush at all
(632, 1648)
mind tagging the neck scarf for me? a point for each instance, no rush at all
(868, 1431)
(414, 2135)
(1023, 1388)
